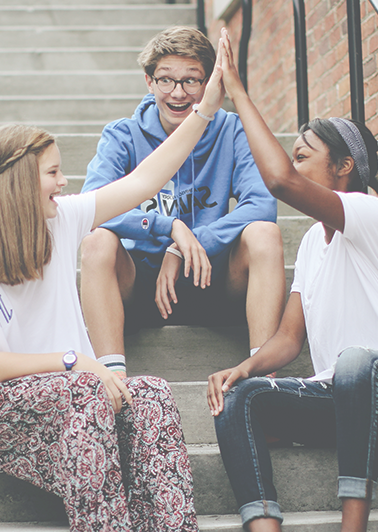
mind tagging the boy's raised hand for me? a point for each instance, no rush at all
(214, 92)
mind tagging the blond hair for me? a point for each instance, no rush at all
(25, 241)
(178, 40)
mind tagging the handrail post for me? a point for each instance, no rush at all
(301, 62)
(355, 61)
(244, 41)
(201, 16)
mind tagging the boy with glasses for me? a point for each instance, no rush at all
(133, 264)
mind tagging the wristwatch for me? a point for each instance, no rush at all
(69, 359)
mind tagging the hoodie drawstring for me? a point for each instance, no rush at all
(192, 161)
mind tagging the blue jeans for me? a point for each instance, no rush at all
(344, 414)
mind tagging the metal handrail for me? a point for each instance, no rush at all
(201, 23)
(244, 41)
(355, 61)
(301, 61)
(355, 53)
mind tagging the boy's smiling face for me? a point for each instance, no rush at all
(177, 105)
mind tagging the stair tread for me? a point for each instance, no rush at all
(205, 522)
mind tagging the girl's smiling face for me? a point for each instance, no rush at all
(311, 159)
(51, 178)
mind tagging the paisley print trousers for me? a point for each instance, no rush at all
(128, 471)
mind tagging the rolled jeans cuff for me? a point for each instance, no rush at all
(357, 488)
(260, 509)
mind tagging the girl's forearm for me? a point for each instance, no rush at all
(152, 173)
(13, 365)
(158, 168)
(271, 159)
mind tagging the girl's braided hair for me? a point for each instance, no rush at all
(25, 241)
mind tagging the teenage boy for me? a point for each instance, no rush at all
(133, 263)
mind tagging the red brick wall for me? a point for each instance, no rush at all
(271, 63)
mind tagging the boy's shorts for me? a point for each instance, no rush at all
(209, 307)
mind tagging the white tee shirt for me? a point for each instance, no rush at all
(338, 284)
(45, 316)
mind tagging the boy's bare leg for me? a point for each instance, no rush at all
(256, 268)
(355, 515)
(264, 525)
(107, 281)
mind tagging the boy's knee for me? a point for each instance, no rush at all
(262, 237)
(99, 247)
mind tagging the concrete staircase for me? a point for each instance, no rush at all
(71, 68)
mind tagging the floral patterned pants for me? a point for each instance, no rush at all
(128, 471)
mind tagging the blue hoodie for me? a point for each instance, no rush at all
(220, 167)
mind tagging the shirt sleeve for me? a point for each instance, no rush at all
(77, 213)
(361, 214)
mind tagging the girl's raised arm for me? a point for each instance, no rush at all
(158, 168)
(275, 167)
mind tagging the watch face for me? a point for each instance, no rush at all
(69, 359)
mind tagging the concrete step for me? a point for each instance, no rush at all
(78, 36)
(293, 522)
(81, 59)
(183, 353)
(292, 229)
(72, 83)
(53, 112)
(305, 479)
(91, 15)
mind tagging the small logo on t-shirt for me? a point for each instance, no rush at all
(6, 311)
(145, 223)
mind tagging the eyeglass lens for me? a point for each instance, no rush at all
(190, 86)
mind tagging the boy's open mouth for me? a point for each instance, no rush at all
(178, 107)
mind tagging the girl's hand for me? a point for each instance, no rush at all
(221, 382)
(231, 79)
(115, 388)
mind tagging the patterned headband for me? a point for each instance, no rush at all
(353, 139)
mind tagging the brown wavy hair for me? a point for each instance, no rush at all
(25, 241)
(178, 40)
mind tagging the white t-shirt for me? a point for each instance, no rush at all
(338, 284)
(45, 316)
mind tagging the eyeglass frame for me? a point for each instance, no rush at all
(180, 82)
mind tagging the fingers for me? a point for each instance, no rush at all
(205, 271)
(231, 379)
(117, 391)
(165, 293)
(165, 284)
(214, 392)
(195, 256)
(218, 384)
(198, 261)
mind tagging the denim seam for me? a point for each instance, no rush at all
(373, 425)
(252, 443)
(247, 410)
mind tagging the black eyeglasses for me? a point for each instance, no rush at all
(189, 85)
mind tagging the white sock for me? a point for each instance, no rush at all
(253, 351)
